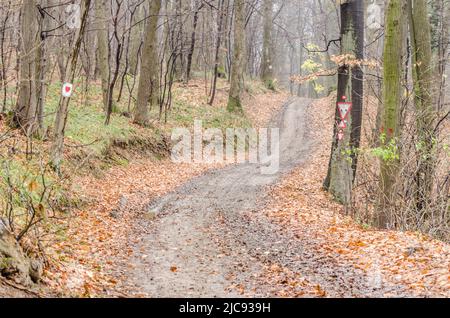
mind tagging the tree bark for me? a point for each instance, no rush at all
(267, 63)
(193, 39)
(63, 108)
(26, 112)
(420, 35)
(392, 96)
(237, 67)
(136, 39)
(343, 160)
(217, 52)
(148, 88)
(102, 28)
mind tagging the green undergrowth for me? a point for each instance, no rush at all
(184, 115)
(35, 196)
(91, 145)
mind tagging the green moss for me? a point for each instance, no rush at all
(270, 84)
(234, 105)
(184, 114)
(221, 73)
(5, 263)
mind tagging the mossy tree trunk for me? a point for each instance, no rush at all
(392, 96)
(237, 66)
(148, 89)
(343, 158)
(420, 34)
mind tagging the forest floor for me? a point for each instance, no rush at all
(93, 259)
(195, 230)
(153, 228)
(234, 232)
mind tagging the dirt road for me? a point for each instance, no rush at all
(209, 234)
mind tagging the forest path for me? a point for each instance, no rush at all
(211, 233)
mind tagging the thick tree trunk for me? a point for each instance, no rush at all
(420, 35)
(148, 88)
(237, 67)
(392, 96)
(27, 102)
(343, 160)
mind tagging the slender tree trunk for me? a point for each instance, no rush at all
(267, 58)
(179, 29)
(357, 94)
(136, 39)
(217, 52)
(63, 108)
(237, 67)
(148, 89)
(102, 27)
(44, 65)
(300, 30)
(193, 39)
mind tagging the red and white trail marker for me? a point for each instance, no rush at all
(67, 90)
(342, 125)
(344, 109)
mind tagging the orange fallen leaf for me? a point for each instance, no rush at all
(320, 292)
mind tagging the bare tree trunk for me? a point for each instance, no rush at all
(267, 59)
(357, 93)
(342, 164)
(43, 66)
(102, 28)
(217, 52)
(237, 67)
(63, 108)
(27, 109)
(392, 96)
(420, 35)
(148, 89)
(193, 39)
(136, 39)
